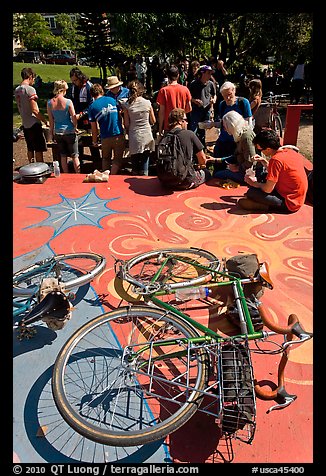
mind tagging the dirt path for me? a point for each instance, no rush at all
(305, 143)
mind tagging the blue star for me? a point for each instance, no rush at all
(86, 210)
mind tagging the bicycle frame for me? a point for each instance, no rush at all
(210, 337)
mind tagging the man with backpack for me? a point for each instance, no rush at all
(175, 154)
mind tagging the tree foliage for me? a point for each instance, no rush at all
(95, 39)
(34, 33)
(235, 37)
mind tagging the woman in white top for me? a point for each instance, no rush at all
(63, 125)
(138, 118)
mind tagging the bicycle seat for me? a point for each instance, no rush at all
(264, 275)
(54, 303)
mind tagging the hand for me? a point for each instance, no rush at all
(259, 158)
(250, 181)
(233, 167)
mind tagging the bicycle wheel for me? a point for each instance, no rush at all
(120, 379)
(277, 124)
(72, 270)
(173, 268)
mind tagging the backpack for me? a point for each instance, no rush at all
(171, 165)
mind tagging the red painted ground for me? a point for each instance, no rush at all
(130, 215)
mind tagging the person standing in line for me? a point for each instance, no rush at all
(82, 99)
(298, 81)
(255, 96)
(104, 112)
(172, 96)
(203, 98)
(192, 71)
(63, 125)
(26, 98)
(114, 89)
(138, 118)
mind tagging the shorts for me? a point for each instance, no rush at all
(67, 144)
(115, 144)
(35, 139)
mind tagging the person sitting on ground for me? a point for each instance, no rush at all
(191, 146)
(235, 166)
(225, 144)
(286, 183)
(63, 125)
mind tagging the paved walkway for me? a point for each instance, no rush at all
(127, 216)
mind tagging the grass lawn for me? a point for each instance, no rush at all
(48, 74)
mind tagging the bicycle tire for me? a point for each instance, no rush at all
(108, 402)
(143, 267)
(276, 124)
(77, 271)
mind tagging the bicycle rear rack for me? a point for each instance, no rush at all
(229, 394)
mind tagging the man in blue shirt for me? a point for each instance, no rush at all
(115, 90)
(225, 145)
(104, 112)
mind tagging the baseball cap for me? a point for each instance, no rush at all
(204, 68)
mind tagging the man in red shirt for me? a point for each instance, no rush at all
(286, 183)
(172, 96)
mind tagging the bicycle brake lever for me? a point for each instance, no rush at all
(303, 338)
(288, 401)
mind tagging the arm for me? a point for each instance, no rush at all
(126, 120)
(94, 132)
(267, 187)
(152, 118)
(188, 107)
(51, 121)
(37, 113)
(161, 114)
(72, 114)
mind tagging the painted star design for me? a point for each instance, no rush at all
(86, 210)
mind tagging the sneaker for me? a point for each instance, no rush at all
(248, 204)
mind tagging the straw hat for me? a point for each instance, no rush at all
(113, 82)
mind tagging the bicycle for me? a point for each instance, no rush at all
(136, 374)
(267, 114)
(43, 290)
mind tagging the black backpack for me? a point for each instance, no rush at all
(171, 165)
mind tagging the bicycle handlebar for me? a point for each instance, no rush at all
(293, 328)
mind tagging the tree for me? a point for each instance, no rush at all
(94, 31)
(34, 33)
(68, 31)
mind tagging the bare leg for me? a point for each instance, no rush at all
(76, 164)
(30, 156)
(39, 156)
(64, 164)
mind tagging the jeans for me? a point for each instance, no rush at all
(274, 200)
(140, 163)
(228, 174)
(198, 115)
